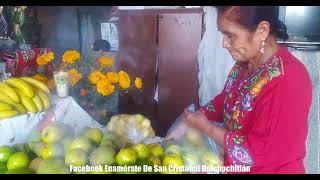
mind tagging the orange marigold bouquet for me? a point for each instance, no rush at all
(95, 90)
(98, 90)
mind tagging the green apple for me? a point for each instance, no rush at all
(108, 136)
(81, 143)
(94, 134)
(103, 156)
(52, 150)
(52, 133)
(76, 157)
(53, 166)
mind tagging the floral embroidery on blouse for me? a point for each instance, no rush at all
(248, 90)
(237, 153)
(240, 96)
(242, 155)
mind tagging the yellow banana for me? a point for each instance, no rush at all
(27, 102)
(5, 106)
(44, 97)
(8, 114)
(20, 108)
(36, 83)
(9, 91)
(4, 98)
(21, 85)
(38, 102)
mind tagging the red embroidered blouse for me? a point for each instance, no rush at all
(266, 115)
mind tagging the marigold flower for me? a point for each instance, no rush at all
(138, 83)
(113, 77)
(124, 80)
(75, 76)
(104, 87)
(44, 59)
(105, 62)
(71, 56)
(95, 76)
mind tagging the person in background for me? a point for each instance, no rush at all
(266, 98)
(101, 45)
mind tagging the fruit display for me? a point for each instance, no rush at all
(22, 95)
(194, 148)
(57, 147)
(130, 129)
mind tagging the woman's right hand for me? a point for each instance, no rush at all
(177, 132)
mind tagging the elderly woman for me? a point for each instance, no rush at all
(266, 99)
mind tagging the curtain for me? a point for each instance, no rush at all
(214, 61)
(311, 59)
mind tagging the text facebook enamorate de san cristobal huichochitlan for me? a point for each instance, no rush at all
(160, 169)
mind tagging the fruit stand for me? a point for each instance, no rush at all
(45, 131)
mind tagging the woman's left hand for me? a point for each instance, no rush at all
(197, 120)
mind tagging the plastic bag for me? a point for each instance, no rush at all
(197, 149)
(130, 129)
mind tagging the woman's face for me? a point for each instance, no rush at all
(241, 44)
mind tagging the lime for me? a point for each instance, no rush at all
(17, 161)
(142, 150)
(126, 156)
(156, 150)
(5, 153)
(173, 161)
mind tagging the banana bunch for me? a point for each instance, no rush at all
(22, 95)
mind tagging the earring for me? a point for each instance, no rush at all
(263, 44)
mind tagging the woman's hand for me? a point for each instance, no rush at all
(197, 120)
(200, 121)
